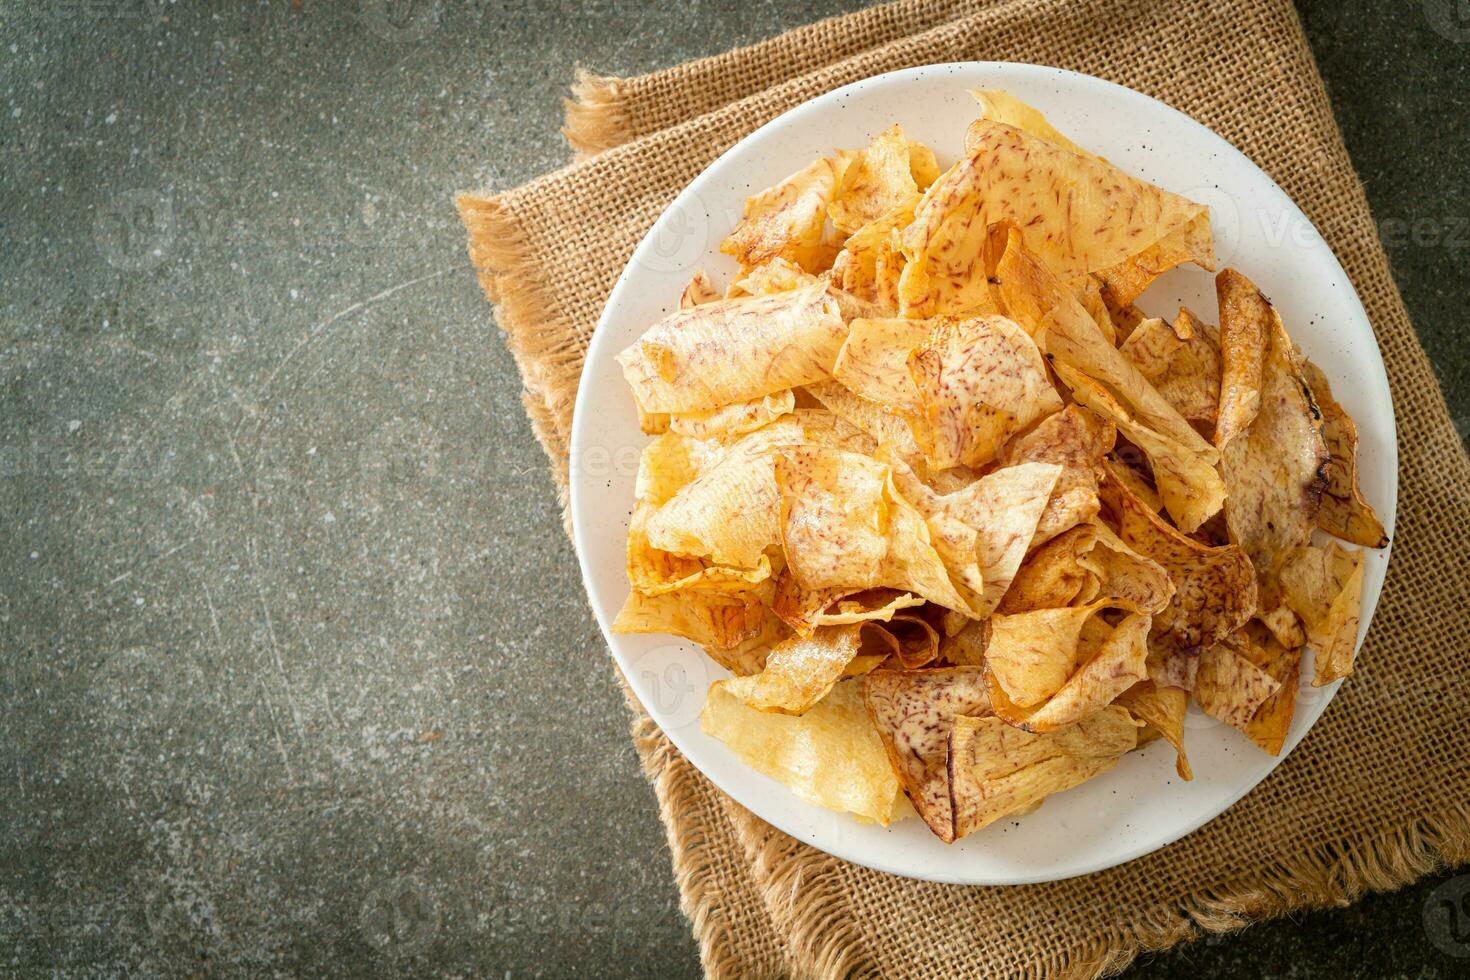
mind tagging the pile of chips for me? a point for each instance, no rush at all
(963, 522)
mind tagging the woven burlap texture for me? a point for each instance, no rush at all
(1373, 798)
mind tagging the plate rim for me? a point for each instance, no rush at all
(598, 340)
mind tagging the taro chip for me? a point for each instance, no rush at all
(997, 771)
(1123, 574)
(1052, 575)
(1325, 588)
(787, 221)
(1079, 214)
(703, 358)
(735, 419)
(1230, 686)
(978, 382)
(699, 290)
(1276, 469)
(830, 756)
(1076, 440)
(1182, 361)
(672, 462)
(1188, 483)
(1247, 320)
(1345, 513)
(888, 429)
(734, 629)
(799, 670)
(1002, 107)
(914, 713)
(1162, 709)
(772, 276)
(885, 177)
(873, 361)
(871, 260)
(1107, 661)
(803, 610)
(653, 572)
(1214, 588)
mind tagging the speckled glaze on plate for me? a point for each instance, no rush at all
(1141, 805)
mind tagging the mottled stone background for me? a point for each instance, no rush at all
(297, 675)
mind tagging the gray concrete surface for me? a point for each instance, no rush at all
(297, 677)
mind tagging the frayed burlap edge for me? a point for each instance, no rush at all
(595, 116)
(1326, 876)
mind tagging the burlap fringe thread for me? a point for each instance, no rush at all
(594, 114)
(796, 880)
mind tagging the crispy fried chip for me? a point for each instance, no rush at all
(734, 419)
(1079, 214)
(1050, 312)
(1181, 361)
(977, 382)
(1325, 588)
(1247, 320)
(734, 629)
(830, 756)
(1002, 107)
(885, 177)
(1272, 720)
(671, 462)
(1275, 470)
(805, 609)
(1344, 512)
(699, 291)
(704, 358)
(799, 670)
(982, 531)
(1076, 440)
(1193, 242)
(775, 275)
(1121, 573)
(1106, 662)
(996, 770)
(872, 260)
(844, 525)
(787, 220)
(729, 513)
(1052, 575)
(1031, 655)
(888, 429)
(1188, 483)
(653, 572)
(1215, 588)
(1162, 709)
(1229, 685)
(873, 361)
(914, 712)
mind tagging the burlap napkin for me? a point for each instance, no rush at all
(1373, 798)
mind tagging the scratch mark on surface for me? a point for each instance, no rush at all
(167, 554)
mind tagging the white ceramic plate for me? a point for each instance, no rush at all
(1141, 805)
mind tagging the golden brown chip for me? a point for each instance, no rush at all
(1036, 299)
(1106, 661)
(1126, 281)
(805, 609)
(830, 756)
(843, 525)
(653, 572)
(1052, 575)
(734, 419)
(1325, 588)
(982, 531)
(1275, 470)
(699, 290)
(1076, 440)
(1182, 361)
(1002, 107)
(873, 361)
(1214, 588)
(888, 429)
(914, 712)
(1121, 573)
(799, 670)
(1162, 709)
(885, 177)
(1188, 483)
(1247, 320)
(1229, 685)
(670, 463)
(1345, 513)
(776, 275)
(1079, 214)
(871, 260)
(1089, 293)
(977, 383)
(735, 629)
(996, 770)
(1272, 720)
(703, 358)
(787, 221)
